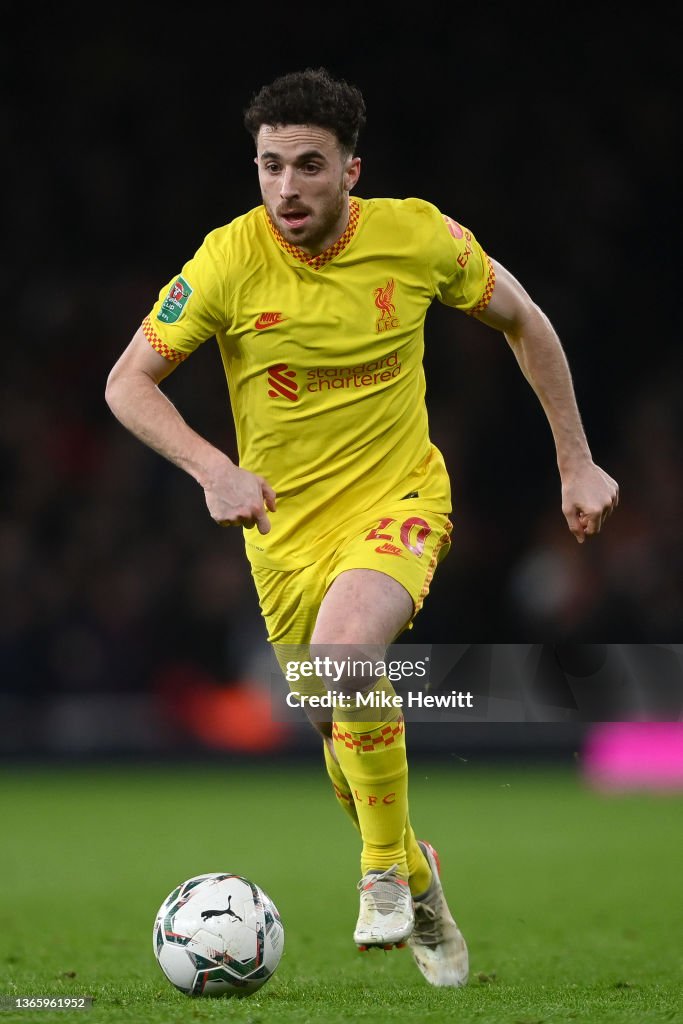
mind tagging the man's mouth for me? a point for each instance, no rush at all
(294, 218)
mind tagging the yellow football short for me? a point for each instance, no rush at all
(403, 543)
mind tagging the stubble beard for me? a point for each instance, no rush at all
(328, 224)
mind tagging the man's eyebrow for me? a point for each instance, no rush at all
(310, 154)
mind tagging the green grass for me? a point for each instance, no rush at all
(571, 902)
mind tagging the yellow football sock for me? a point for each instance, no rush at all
(372, 757)
(340, 786)
(419, 872)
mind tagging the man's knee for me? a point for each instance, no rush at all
(362, 607)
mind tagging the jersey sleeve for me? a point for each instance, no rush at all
(462, 273)
(192, 307)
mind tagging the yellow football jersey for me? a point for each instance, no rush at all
(323, 358)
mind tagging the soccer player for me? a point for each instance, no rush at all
(317, 300)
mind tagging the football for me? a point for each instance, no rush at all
(218, 935)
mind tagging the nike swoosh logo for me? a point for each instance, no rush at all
(388, 549)
(269, 320)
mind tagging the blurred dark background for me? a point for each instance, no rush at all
(555, 137)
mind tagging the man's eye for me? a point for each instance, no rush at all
(273, 168)
(311, 168)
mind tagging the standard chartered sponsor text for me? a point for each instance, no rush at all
(363, 375)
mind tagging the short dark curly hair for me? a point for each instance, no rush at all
(312, 97)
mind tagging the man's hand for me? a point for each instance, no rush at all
(236, 497)
(589, 496)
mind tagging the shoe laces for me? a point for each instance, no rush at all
(427, 928)
(384, 888)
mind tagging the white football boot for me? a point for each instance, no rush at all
(436, 942)
(386, 910)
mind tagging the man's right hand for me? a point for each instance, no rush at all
(236, 497)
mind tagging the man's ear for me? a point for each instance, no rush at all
(352, 173)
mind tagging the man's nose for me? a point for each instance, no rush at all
(289, 188)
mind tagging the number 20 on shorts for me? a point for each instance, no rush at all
(413, 532)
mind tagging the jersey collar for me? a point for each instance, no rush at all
(316, 262)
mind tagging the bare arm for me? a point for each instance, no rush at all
(233, 495)
(589, 495)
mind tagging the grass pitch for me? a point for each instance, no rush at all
(571, 902)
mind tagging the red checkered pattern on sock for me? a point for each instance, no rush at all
(368, 741)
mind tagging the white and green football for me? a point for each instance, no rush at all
(218, 935)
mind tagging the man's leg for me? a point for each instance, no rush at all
(365, 610)
(419, 873)
(436, 943)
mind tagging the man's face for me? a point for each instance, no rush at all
(305, 180)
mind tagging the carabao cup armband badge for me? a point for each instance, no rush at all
(174, 303)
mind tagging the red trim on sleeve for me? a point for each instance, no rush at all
(160, 346)
(488, 291)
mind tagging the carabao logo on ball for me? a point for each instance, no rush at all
(174, 303)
